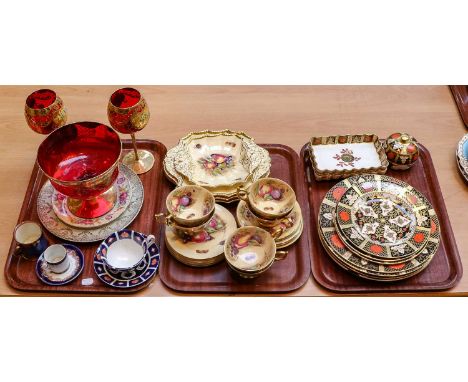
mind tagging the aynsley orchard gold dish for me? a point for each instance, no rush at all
(269, 198)
(217, 160)
(251, 251)
(189, 206)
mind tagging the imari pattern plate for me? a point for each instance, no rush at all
(383, 217)
(351, 259)
(141, 276)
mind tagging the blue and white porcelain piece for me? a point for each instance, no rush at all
(127, 277)
(75, 268)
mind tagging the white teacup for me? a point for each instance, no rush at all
(125, 250)
(56, 258)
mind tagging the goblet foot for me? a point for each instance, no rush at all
(94, 207)
(144, 163)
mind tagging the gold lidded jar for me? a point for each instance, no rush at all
(402, 151)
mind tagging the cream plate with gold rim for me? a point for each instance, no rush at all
(204, 245)
(218, 161)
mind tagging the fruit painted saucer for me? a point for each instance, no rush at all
(76, 267)
(292, 223)
(205, 247)
(124, 195)
(141, 276)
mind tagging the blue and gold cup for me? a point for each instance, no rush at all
(31, 241)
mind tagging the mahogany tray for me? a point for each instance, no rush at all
(21, 274)
(460, 95)
(283, 276)
(444, 271)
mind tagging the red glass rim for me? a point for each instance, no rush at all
(41, 99)
(70, 134)
(125, 98)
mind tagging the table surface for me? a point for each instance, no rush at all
(271, 114)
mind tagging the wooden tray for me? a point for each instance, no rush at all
(283, 276)
(444, 271)
(460, 95)
(21, 274)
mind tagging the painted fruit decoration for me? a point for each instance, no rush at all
(180, 202)
(269, 192)
(402, 151)
(243, 240)
(205, 234)
(215, 164)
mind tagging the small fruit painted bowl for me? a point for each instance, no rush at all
(250, 251)
(269, 198)
(189, 206)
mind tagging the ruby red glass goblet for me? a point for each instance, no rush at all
(44, 111)
(82, 162)
(128, 113)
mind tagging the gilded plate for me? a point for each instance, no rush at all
(58, 228)
(218, 161)
(383, 217)
(124, 196)
(292, 223)
(349, 259)
(206, 244)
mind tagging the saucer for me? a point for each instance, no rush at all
(206, 247)
(58, 228)
(73, 271)
(124, 196)
(293, 222)
(141, 276)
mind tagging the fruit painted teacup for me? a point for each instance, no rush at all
(188, 206)
(251, 251)
(268, 198)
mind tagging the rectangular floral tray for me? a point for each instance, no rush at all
(20, 273)
(444, 271)
(340, 156)
(283, 276)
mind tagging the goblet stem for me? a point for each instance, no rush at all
(135, 147)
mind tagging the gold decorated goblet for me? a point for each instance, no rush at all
(44, 111)
(128, 113)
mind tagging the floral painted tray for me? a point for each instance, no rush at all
(340, 156)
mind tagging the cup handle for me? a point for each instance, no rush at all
(18, 252)
(278, 231)
(164, 219)
(242, 193)
(280, 255)
(150, 240)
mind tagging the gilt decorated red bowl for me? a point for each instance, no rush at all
(81, 159)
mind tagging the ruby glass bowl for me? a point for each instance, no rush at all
(81, 160)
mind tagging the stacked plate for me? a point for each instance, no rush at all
(292, 224)
(220, 161)
(378, 227)
(204, 247)
(462, 157)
